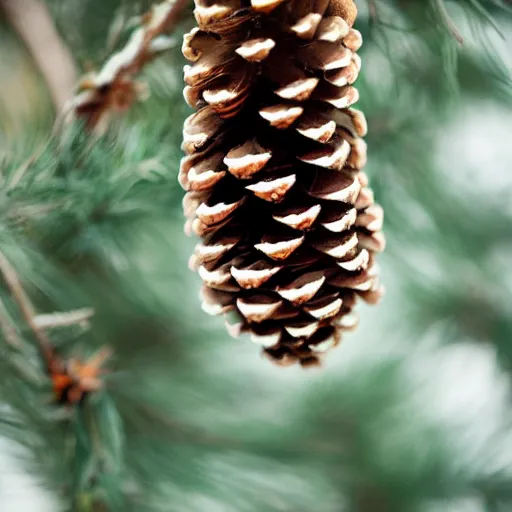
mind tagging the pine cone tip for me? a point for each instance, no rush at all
(346, 9)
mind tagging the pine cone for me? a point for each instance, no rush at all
(273, 172)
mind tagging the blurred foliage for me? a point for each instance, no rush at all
(190, 420)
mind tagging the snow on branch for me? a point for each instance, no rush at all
(113, 88)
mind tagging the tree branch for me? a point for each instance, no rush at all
(27, 309)
(65, 319)
(113, 88)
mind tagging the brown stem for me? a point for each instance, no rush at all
(27, 309)
(372, 8)
(33, 22)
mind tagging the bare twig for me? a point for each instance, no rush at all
(66, 319)
(372, 8)
(27, 309)
(33, 23)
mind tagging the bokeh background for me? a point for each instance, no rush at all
(410, 413)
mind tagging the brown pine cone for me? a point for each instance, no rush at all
(273, 172)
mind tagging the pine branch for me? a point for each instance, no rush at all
(26, 308)
(113, 88)
(430, 23)
(72, 379)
